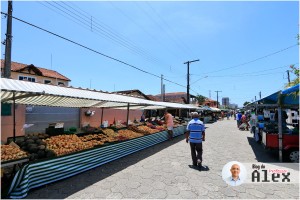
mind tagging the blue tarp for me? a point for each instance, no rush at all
(292, 89)
(287, 97)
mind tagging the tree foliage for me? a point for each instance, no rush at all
(200, 99)
(295, 81)
(246, 103)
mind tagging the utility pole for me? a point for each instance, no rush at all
(162, 87)
(218, 98)
(7, 62)
(288, 73)
(164, 92)
(259, 94)
(255, 97)
(188, 79)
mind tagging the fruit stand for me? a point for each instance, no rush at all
(62, 156)
(40, 173)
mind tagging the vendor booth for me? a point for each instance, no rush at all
(71, 154)
(272, 127)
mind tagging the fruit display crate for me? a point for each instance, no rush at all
(40, 173)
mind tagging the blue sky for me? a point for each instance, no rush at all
(158, 37)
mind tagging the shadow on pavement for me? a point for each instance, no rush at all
(262, 154)
(202, 168)
(69, 186)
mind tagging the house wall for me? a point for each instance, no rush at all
(38, 79)
(42, 116)
(7, 123)
(108, 114)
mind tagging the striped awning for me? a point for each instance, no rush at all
(29, 93)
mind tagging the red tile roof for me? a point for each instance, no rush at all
(131, 92)
(153, 98)
(16, 67)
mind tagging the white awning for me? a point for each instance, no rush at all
(215, 109)
(30, 93)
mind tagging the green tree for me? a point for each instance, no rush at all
(200, 99)
(295, 81)
(246, 103)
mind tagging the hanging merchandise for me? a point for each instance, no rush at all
(272, 116)
(266, 113)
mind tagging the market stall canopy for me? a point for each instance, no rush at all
(204, 108)
(215, 109)
(157, 105)
(288, 97)
(30, 93)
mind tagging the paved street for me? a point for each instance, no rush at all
(163, 172)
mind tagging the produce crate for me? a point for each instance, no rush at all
(54, 131)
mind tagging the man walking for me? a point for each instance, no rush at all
(195, 135)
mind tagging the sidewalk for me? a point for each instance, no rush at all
(163, 172)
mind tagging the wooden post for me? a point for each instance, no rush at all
(101, 116)
(280, 133)
(127, 114)
(14, 117)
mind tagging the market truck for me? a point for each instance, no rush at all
(290, 144)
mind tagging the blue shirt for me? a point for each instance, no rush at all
(196, 127)
(232, 182)
(239, 116)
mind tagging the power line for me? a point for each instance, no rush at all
(181, 43)
(98, 28)
(122, 37)
(170, 50)
(245, 63)
(90, 49)
(108, 33)
(161, 27)
(199, 79)
(239, 75)
(270, 69)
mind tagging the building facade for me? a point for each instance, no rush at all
(225, 101)
(40, 116)
(32, 73)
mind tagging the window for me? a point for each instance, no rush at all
(47, 81)
(6, 109)
(27, 78)
(60, 83)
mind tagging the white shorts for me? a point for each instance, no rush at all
(170, 128)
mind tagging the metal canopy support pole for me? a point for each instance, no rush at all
(127, 114)
(280, 133)
(14, 117)
(101, 116)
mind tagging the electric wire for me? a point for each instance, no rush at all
(170, 50)
(181, 43)
(160, 27)
(90, 49)
(251, 61)
(270, 69)
(246, 74)
(107, 35)
(100, 30)
(115, 34)
(237, 75)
